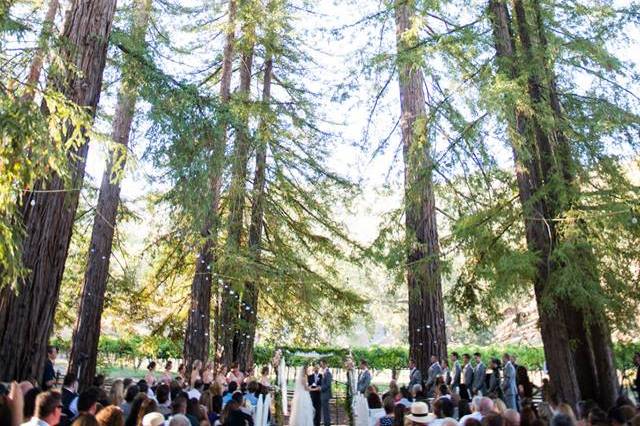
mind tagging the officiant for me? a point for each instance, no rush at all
(315, 380)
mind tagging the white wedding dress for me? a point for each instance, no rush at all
(302, 410)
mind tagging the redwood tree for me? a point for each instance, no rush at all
(426, 311)
(84, 345)
(26, 315)
(196, 341)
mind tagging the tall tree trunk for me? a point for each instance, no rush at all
(196, 342)
(525, 137)
(427, 334)
(35, 68)
(26, 316)
(251, 290)
(86, 333)
(590, 334)
(237, 194)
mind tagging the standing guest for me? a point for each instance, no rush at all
(110, 416)
(150, 377)
(264, 377)
(432, 374)
(479, 376)
(457, 372)
(467, 375)
(69, 393)
(495, 381)
(235, 375)
(364, 377)
(195, 372)
(116, 393)
(167, 377)
(499, 406)
(207, 375)
(221, 377)
(387, 420)
(48, 410)
(129, 396)
(525, 386)
(509, 387)
(446, 373)
(249, 376)
(419, 415)
(528, 416)
(415, 375)
(182, 372)
(49, 376)
(562, 419)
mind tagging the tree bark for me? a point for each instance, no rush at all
(427, 334)
(200, 312)
(86, 333)
(26, 316)
(251, 290)
(35, 68)
(526, 140)
(591, 336)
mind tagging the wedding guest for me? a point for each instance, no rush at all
(167, 376)
(134, 411)
(129, 396)
(398, 415)
(479, 376)
(446, 373)
(443, 408)
(435, 371)
(207, 375)
(153, 419)
(110, 416)
(495, 381)
(388, 418)
(511, 417)
(163, 394)
(150, 377)
(264, 377)
(182, 372)
(419, 414)
(406, 399)
(499, 406)
(415, 375)
(147, 406)
(467, 377)
(457, 372)
(116, 393)
(233, 386)
(364, 377)
(29, 406)
(374, 401)
(196, 390)
(179, 420)
(49, 376)
(85, 420)
(561, 419)
(221, 377)
(252, 393)
(69, 393)
(235, 375)
(392, 392)
(88, 401)
(194, 410)
(48, 409)
(195, 372)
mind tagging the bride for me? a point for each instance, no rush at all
(301, 407)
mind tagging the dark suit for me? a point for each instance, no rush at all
(315, 381)
(67, 397)
(637, 382)
(49, 374)
(325, 396)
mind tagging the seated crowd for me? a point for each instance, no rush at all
(200, 398)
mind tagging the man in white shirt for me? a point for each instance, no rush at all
(196, 390)
(48, 410)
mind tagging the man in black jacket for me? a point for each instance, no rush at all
(636, 382)
(69, 393)
(315, 380)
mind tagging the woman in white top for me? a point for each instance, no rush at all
(150, 378)
(195, 372)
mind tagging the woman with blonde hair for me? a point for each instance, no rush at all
(207, 374)
(499, 406)
(110, 416)
(116, 393)
(195, 372)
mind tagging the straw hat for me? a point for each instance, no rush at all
(420, 413)
(153, 419)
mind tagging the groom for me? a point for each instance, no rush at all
(315, 380)
(325, 392)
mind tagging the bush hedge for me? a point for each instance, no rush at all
(134, 349)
